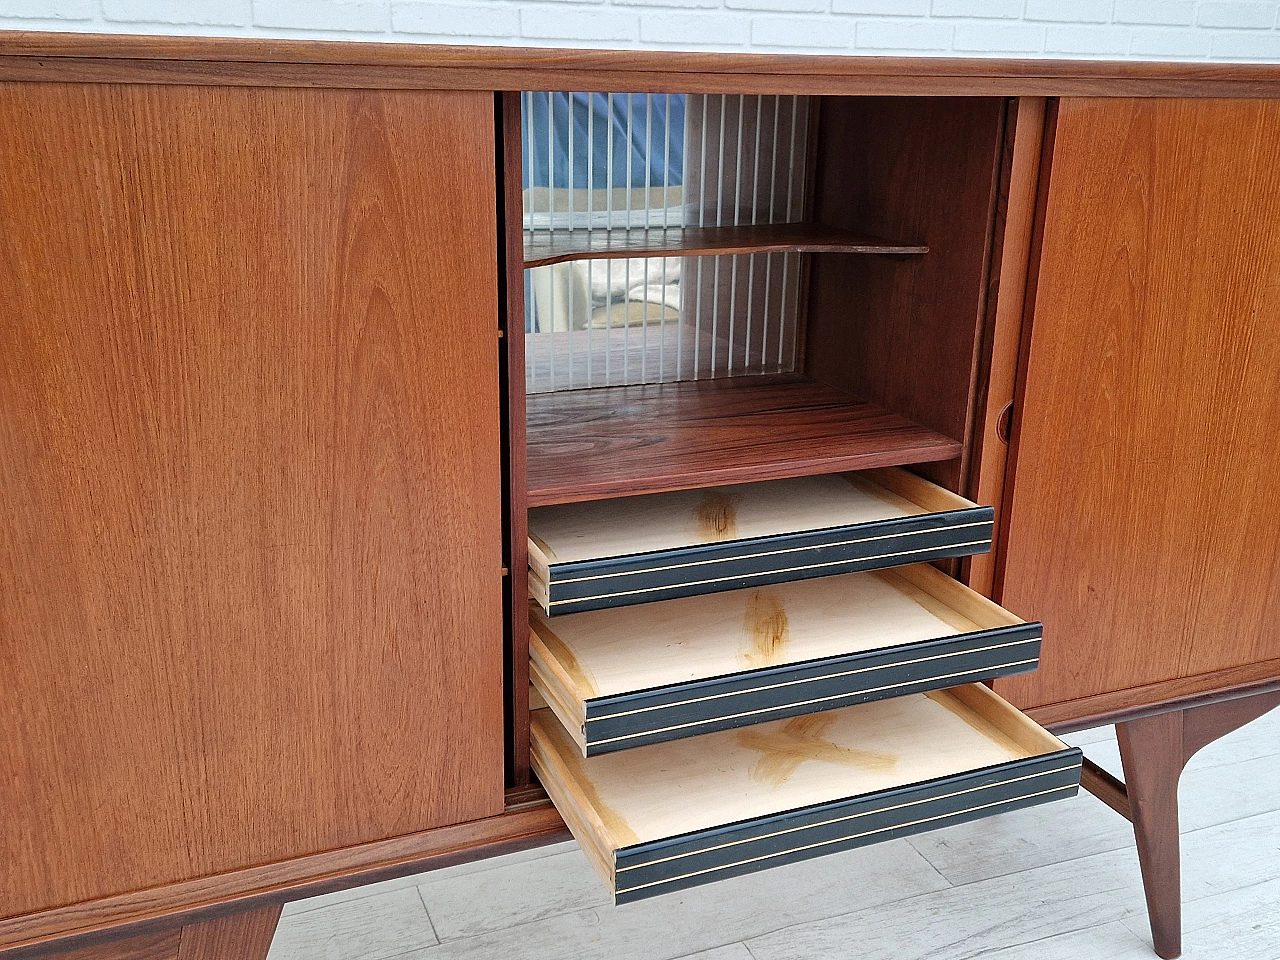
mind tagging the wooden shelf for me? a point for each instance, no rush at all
(543, 247)
(617, 441)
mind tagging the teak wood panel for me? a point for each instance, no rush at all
(250, 555)
(1143, 527)
(1006, 285)
(244, 936)
(507, 104)
(903, 332)
(227, 61)
(528, 819)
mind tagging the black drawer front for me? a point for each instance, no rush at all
(721, 703)
(651, 869)
(712, 568)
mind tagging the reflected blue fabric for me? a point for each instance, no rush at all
(562, 108)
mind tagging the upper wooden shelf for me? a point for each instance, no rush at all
(618, 441)
(543, 247)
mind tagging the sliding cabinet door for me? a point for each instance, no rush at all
(250, 544)
(1144, 528)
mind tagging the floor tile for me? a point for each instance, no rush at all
(484, 901)
(374, 928)
(1108, 941)
(1237, 925)
(459, 870)
(716, 915)
(963, 922)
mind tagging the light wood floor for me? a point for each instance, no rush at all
(1058, 882)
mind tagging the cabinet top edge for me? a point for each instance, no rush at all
(237, 61)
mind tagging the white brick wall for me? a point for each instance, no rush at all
(1246, 30)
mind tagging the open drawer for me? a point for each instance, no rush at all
(675, 815)
(621, 678)
(608, 553)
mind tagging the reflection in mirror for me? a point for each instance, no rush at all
(661, 162)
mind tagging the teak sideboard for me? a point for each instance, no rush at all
(267, 469)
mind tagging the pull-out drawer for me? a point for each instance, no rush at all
(674, 815)
(609, 553)
(620, 678)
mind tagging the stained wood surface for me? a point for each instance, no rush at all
(998, 363)
(1143, 528)
(265, 62)
(1105, 787)
(667, 789)
(569, 533)
(248, 387)
(1152, 752)
(545, 247)
(603, 653)
(620, 441)
(151, 946)
(903, 333)
(528, 820)
(1119, 705)
(516, 666)
(246, 936)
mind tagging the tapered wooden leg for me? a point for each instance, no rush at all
(1151, 750)
(1154, 751)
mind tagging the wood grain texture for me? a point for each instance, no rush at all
(1151, 751)
(903, 333)
(544, 247)
(245, 936)
(248, 400)
(1153, 698)
(515, 447)
(242, 936)
(528, 820)
(998, 360)
(1105, 787)
(90, 58)
(1142, 528)
(151, 946)
(619, 441)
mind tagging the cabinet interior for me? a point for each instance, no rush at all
(721, 289)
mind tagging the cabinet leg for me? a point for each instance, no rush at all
(1154, 751)
(1151, 751)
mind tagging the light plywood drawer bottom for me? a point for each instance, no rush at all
(613, 553)
(673, 815)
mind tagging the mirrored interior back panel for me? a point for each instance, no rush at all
(619, 193)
